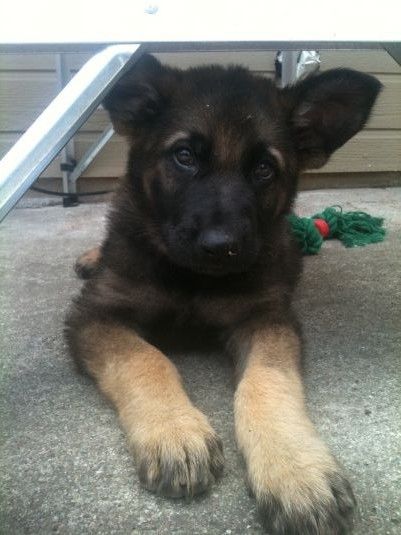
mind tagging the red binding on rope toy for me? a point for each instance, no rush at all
(351, 228)
(323, 227)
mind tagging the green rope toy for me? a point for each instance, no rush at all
(351, 228)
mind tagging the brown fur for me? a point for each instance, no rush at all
(198, 249)
(284, 455)
(177, 451)
(87, 263)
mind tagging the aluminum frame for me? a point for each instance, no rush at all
(67, 154)
(34, 151)
(90, 155)
(289, 67)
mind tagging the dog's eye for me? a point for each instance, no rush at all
(264, 171)
(184, 157)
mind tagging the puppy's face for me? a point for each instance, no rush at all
(214, 172)
(215, 153)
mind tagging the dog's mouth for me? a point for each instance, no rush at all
(218, 270)
(215, 267)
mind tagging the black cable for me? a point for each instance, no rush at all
(60, 194)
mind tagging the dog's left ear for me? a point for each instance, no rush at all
(326, 110)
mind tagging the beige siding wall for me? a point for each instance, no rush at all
(28, 83)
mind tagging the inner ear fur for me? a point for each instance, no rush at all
(140, 95)
(326, 110)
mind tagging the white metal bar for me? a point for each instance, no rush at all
(289, 67)
(61, 119)
(67, 154)
(91, 154)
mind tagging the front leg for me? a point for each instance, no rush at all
(88, 263)
(299, 487)
(176, 450)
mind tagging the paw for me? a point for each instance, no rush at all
(321, 506)
(87, 263)
(181, 459)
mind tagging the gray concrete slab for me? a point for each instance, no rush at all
(65, 466)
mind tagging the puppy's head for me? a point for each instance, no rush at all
(215, 153)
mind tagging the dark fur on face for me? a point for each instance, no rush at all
(215, 154)
(198, 248)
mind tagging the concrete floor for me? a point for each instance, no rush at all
(65, 466)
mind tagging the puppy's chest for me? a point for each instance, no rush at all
(220, 310)
(177, 309)
(151, 303)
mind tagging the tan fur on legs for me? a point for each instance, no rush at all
(294, 477)
(177, 451)
(87, 263)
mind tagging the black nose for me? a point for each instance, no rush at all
(217, 243)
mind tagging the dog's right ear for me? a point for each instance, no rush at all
(140, 95)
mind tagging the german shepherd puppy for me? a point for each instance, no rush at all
(198, 244)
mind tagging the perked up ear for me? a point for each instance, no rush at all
(326, 110)
(139, 95)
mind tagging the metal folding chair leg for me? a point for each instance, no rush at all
(34, 151)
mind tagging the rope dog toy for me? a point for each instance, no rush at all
(351, 228)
